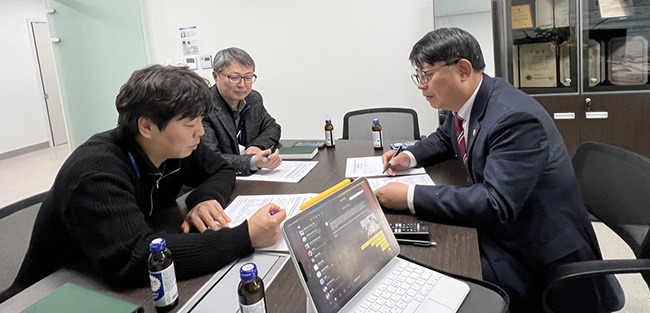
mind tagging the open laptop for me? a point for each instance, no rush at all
(346, 258)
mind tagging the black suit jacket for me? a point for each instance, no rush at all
(259, 127)
(523, 199)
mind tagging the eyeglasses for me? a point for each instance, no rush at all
(236, 79)
(424, 77)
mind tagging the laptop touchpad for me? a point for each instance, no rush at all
(431, 306)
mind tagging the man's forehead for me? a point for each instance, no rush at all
(236, 67)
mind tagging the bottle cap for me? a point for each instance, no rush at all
(157, 245)
(375, 121)
(248, 272)
(328, 121)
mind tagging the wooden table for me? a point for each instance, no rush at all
(456, 250)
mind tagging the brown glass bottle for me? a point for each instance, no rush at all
(251, 290)
(162, 276)
(329, 133)
(377, 138)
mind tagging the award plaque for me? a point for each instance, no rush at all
(628, 61)
(515, 65)
(565, 64)
(537, 65)
(596, 64)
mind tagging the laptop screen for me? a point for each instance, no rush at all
(340, 243)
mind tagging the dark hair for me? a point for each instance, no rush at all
(447, 45)
(225, 57)
(161, 93)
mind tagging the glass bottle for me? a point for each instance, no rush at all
(377, 139)
(251, 290)
(162, 276)
(329, 133)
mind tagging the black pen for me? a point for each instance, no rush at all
(272, 151)
(397, 151)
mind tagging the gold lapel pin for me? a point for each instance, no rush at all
(474, 132)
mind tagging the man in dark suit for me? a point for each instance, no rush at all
(523, 196)
(239, 128)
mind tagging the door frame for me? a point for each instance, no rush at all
(49, 82)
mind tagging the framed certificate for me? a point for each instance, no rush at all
(628, 61)
(561, 15)
(521, 17)
(537, 65)
(544, 13)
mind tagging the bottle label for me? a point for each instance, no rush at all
(163, 286)
(329, 138)
(376, 139)
(257, 307)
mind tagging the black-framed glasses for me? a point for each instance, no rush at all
(236, 79)
(424, 76)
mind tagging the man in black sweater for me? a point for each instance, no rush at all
(97, 215)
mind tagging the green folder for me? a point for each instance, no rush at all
(71, 298)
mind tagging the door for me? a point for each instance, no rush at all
(565, 111)
(50, 82)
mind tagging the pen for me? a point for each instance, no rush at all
(422, 243)
(397, 151)
(325, 193)
(273, 212)
(272, 151)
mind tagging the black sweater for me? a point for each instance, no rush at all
(97, 213)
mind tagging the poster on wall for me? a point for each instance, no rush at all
(189, 41)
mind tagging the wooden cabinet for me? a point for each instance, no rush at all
(618, 119)
(585, 61)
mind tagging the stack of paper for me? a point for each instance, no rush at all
(373, 167)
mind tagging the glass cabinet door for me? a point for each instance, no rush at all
(615, 41)
(544, 45)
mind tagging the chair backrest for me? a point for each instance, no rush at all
(398, 124)
(615, 184)
(16, 224)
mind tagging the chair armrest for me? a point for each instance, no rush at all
(593, 268)
(598, 267)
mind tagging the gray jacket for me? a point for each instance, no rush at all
(258, 127)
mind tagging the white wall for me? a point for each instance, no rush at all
(474, 16)
(315, 59)
(23, 120)
(478, 24)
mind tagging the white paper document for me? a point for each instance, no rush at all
(420, 179)
(372, 166)
(243, 207)
(287, 172)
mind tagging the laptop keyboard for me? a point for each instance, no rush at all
(403, 290)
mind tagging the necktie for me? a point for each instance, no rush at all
(461, 138)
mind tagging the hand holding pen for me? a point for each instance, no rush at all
(269, 158)
(396, 153)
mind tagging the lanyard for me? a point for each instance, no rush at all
(135, 166)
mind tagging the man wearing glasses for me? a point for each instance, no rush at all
(239, 128)
(523, 198)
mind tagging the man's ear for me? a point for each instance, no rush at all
(464, 68)
(215, 75)
(146, 127)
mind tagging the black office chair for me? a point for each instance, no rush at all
(16, 223)
(615, 184)
(398, 124)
